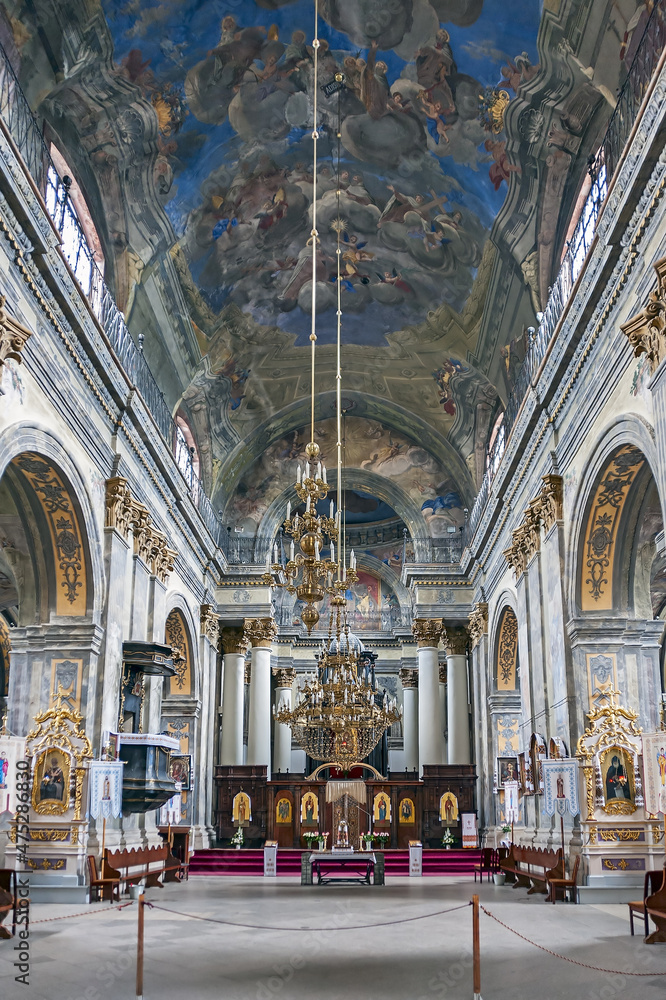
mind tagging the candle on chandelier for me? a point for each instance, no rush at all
(288, 510)
(275, 559)
(307, 505)
(323, 469)
(298, 475)
(318, 470)
(317, 551)
(307, 470)
(291, 550)
(332, 551)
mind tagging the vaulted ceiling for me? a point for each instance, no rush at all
(464, 127)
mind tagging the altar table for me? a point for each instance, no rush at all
(343, 866)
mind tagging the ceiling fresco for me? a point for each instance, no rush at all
(423, 167)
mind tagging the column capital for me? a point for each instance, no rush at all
(13, 335)
(209, 623)
(259, 631)
(118, 505)
(646, 330)
(248, 673)
(233, 640)
(442, 673)
(478, 623)
(455, 641)
(284, 676)
(427, 631)
(409, 678)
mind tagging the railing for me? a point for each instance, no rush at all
(601, 169)
(239, 549)
(26, 133)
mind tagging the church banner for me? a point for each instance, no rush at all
(106, 789)
(511, 802)
(560, 786)
(12, 750)
(654, 772)
(170, 812)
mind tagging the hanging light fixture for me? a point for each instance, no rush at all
(305, 573)
(340, 716)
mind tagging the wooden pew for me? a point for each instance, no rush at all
(129, 867)
(656, 907)
(533, 866)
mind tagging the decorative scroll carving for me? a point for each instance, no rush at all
(58, 731)
(209, 623)
(602, 525)
(478, 623)
(507, 651)
(118, 508)
(646, 330)
(427, 631)
(233, 640)
(149, 543)
(260, 631)
(284, 676)
(63, 523)
(611, 728)
(13, 336)
(544, 511)
(176, 637)
(455, 640)
(409, 678)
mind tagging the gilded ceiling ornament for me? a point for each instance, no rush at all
(455, 640)
(260, 631)
(427, 631)
(209, 623)
(13, 336)
(234, 640)
(646, 330)
(478, 623)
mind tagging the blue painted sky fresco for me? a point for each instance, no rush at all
(423, 165)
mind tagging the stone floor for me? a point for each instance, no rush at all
(315, 956)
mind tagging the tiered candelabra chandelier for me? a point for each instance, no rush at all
(340, 716)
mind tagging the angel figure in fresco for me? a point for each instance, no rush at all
(438, 116)
(500, 169)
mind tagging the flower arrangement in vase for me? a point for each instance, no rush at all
(383, 836)
(447, 840)
(238, 838)
(366, 840)
(323, 839)
(310, 837)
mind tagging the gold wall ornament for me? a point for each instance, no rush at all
(260, 631)
(612, 730)
(118, 505)
(657, 833)
(646, 330)
(593, 835)
(234, 640)
(409, 678)
(57, 733)
(49, 763)
(209, 622)
(49, 835)
(427, 631)
(455, 640)
(13, 335)
(619, 834)
(177, 637)
(507, 651)
(478, 623)
(46, 864)
(589, 791)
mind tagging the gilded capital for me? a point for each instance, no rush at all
(284, 676)
(442, 673)
(233, 640)
(13, 335)
(260, 631)
(455, 641)
(118, 505)
(409, 678)
(478, 623)
(427, 631)
(646, 331)
(247, 676)
(209, 623)
(551, 500)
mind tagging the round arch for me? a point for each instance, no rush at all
(505, 663)
(181, 632)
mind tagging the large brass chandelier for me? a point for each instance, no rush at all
(340, 716)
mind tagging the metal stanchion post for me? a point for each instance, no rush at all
(476, 946)
(139, 949)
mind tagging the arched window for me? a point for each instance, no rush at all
(67, 206)
(186, 452)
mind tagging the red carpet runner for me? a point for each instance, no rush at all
(229, 861)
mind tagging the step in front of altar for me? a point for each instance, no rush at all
(226, 861)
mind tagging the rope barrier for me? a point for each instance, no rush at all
(83, 913)
(566, 958)
(265, 927)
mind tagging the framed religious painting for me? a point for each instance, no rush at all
(538, 753)
(50, 782)
(406, 812)
(618, 780)
(525, 773)
(382, 808)
(448, 809)
(283, 810)
(507, 770)
(241, 809)
(180, 769)
(309, 809)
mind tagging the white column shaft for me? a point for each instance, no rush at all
(410, 724)
(282, 735)
(259, 718)
(431, 740)
(443, 720)
(458, 716)
(231, 749)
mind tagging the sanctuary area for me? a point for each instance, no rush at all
(332, 492)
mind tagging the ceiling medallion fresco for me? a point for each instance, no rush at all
(423, 162)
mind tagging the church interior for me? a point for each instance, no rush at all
(293, 607)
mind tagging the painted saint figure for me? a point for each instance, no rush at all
(52, 785)
(661, 761)
(617, 782)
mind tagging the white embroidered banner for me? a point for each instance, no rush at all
(171, 810)
(511, 802)
(106, 789)
(12, 750)
(560, 786)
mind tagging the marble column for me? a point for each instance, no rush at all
(410, 717)
(427, 632)
(455, 641)
(442, 712)
(234, 646)
(284, 680)
(260, 632)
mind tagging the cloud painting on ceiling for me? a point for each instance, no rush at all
(423, 167)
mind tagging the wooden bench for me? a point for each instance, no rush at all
(131, 866)
(656, 908)
(8, 901)
(104, 888)
(532, 866)
(651, 884)
(569, 885)
(489, 863)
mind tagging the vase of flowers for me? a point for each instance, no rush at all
(383, 838)
(366, 841)
(238, 838)
(322, 838)
(447, 840)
